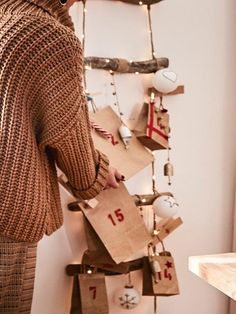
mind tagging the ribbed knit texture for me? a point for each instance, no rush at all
(17, 272)
(43, 117)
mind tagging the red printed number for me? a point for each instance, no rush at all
(118, 216)
(94, 291)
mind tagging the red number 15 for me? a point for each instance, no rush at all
(119, 216)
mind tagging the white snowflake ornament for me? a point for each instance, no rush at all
(165, 206)
(127, 297)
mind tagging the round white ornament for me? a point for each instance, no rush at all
(165, 81)
(127, 297)
(165, 206)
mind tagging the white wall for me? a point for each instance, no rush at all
(199, 39)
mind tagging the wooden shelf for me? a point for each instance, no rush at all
(217, 270)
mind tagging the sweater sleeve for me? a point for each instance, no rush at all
(85, 167)
(64, 129)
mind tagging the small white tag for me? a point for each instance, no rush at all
(92, 203)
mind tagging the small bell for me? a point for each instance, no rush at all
(168, 171)
(168, 167)
(125, 135)
(156, 270)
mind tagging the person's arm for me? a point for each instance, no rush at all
(86, 168)
(64, 127)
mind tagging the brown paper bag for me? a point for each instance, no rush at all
(93, 294)
(97, 254)
(75, 298)
(152, 128)
(117, 222)
(164, 282)
(128, 161)
(89, 295)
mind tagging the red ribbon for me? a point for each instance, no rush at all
(150, 125)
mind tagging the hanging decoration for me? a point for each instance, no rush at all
(123, 130)
(125, 134)
(160, 265)
(165, 206)
(159, 274)
(168, 168)
(165, 81)
(128, 297)
(152, 127)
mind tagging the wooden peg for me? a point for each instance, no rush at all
(166, 228)
(177, 91)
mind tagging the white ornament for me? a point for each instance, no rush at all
(165, 206)
(127, 297)
(125, 134)
(165, 81)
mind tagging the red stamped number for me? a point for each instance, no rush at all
(94, 292)
(118, 216)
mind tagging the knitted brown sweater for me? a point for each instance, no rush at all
(44, 119)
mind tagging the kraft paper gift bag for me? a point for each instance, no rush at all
(117, 222)
(128, 161)
(89, 295)
(152, 128)
(97, 254)
(159, 275)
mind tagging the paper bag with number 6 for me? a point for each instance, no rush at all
(117, 222)
(89, 295)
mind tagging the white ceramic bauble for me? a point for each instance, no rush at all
(165, 206)
(127, 298)
(165, 81)
(125, 132)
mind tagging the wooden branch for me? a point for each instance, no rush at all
(125, 66)
(140, 200)
(74, 269)
(147, 199)
(177, 91)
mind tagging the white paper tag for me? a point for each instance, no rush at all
(92, 203)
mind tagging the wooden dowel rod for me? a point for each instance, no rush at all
(177, 91)
(74, 269)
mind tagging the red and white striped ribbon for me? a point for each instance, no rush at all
(103, 132)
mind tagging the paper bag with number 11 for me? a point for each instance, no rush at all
(117, 222)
